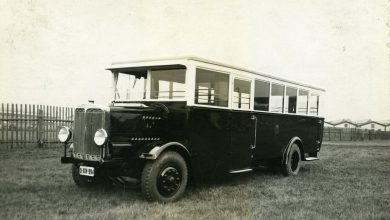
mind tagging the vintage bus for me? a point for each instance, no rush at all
(172, 120)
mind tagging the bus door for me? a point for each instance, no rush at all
(243, 127)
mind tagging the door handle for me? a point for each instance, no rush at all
(253, 146)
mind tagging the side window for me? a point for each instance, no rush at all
(167, 84)
(211, 88)
(241, 94)
(303, 100)
(314, 102)
(261, 95)
(277, 92)
(290, 101)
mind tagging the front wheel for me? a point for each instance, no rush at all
(165, 179)
(292, 165)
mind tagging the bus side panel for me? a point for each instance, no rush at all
(242, 137)
(267, 135)
(176, 125)
(209, 141)
(274, 131)
(313, 137)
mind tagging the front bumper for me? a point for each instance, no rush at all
(115, 162)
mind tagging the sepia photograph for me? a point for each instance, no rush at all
(194, 109)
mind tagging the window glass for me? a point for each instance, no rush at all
(167, 84)
(211, 88)
(277, 92)
(303, 101)
(128, 87)
(314, 101)
(261, 95)
(241, 94)
(290, 101)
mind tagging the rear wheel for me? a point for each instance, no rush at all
(165, 179)
(292, 165)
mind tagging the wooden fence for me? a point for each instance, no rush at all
(353, 134)
(23, 124)
(39, 124)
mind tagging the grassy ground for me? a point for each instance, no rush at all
(349, 182)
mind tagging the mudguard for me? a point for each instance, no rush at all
(157, 150)
(288, 148)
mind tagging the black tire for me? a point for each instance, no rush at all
(165, 179)
(291, 168)
(80, 181)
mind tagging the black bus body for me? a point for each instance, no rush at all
(162, 141)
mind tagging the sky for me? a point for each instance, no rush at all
(56, 52)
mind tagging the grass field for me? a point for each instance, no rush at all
(351, 181)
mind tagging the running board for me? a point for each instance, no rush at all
(311, 158)
(240, 171)
(125, 182)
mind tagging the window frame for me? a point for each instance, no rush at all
(284, 99)
(311, 94)
(148, 92)
(284, 96)
(194, 89)
(248, 76)
(269, 93)
(307, 102)
(234, 77)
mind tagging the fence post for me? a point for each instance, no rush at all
(40, 132)
(340, 133)
(351, 134)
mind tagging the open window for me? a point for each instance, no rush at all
(211, 88)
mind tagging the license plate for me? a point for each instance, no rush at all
(87, 171)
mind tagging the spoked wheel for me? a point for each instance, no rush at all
(165, 179)
(293, 162)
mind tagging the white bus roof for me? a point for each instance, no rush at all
(185, 59)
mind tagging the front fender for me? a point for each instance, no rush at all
(157, 150)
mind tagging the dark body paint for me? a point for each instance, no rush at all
(218, 140)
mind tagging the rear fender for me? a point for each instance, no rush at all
(287, 149)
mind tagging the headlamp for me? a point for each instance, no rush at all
(64, 134)
(100, 137)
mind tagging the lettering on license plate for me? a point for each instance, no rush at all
(87, 171)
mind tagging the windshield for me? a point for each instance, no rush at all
(156, 85)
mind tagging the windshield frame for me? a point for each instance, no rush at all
(142, 72)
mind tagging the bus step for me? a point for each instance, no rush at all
(311, 158)
(241, 171)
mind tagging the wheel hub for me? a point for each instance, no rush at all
(294, 161)
(169, 181)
